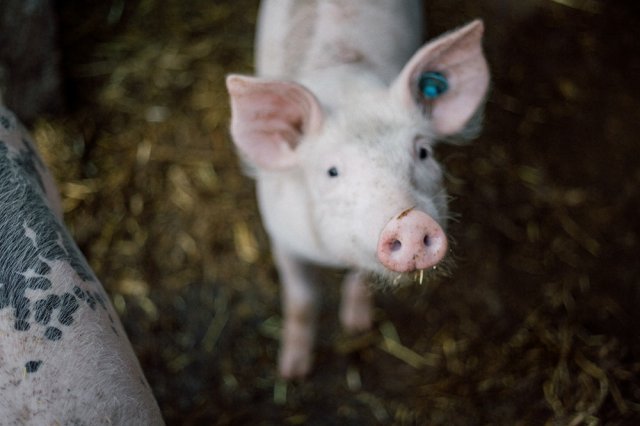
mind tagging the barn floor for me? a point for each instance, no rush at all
(538, 322)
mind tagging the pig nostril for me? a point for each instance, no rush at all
(395, 245)
(426, 241)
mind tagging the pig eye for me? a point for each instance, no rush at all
(333, 172)
(421, 148)
(423, 153)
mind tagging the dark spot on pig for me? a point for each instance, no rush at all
(45, 307)
(69, 306)
(42, 269)
(32, 366)
(39, 283)
(404, 213)
(21, 325)
(333, 172)
(91, 301)
(79, 293)
(53, 333)
(349, 55)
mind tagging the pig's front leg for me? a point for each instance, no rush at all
(356, 308)
(299, 310)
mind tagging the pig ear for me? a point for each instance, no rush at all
(269, 118)
(447, 79)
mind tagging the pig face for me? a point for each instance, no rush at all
(369, 162)
(343, 179)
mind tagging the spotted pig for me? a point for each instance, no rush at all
(64, 357)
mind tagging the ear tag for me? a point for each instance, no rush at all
(433, 84)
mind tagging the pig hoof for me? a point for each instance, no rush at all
(294, 365)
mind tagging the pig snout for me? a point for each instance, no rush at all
(411, 241)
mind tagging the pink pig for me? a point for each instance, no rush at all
(339, 136)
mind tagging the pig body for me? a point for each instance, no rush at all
(338, 130)
(297, 40)
(64, 356)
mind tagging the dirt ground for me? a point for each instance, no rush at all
(538, 322)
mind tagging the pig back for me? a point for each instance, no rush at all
(297, 37)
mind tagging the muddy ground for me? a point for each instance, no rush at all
(538, 322)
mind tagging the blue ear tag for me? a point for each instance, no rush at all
(432, 84)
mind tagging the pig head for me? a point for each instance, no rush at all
(343, 161)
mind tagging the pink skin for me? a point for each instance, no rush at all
(411, 241)
(333, 95)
